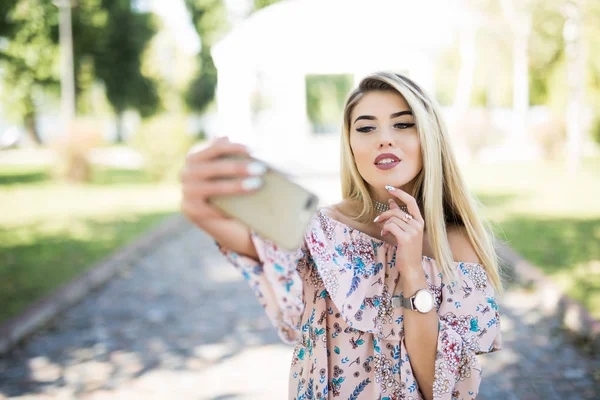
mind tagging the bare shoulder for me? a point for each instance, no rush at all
(330, 211)
(460, 245)
(338, 211)
(345, 213)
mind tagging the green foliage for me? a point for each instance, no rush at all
(595, 130)
(201, 91)
(109, 39)
(117, 58)
(325, 96)
(260, 4)
(546, 50)
(28, 58)
(7, 24)
(210, 20)
(446, 70)
(164, 142)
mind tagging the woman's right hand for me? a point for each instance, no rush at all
(202, 177)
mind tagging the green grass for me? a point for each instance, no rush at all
(51, 232)
(550, 217)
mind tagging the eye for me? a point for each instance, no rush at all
(403, 125)
(366, 129)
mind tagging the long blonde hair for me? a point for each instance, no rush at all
(439, 187)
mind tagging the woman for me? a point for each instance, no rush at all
(373, 300)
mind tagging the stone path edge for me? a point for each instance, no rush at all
(44, 311)
(577, 321)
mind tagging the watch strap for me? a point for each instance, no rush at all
(401, 301)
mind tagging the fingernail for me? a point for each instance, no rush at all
(376, 218)
(251, 183)
(256, 168)
(390, 188)
(382, 232)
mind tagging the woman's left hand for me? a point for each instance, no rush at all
(408, 231)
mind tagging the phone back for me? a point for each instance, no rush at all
(280, 210)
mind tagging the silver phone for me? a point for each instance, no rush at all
(280, 210)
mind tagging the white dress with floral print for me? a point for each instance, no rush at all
(332, 299)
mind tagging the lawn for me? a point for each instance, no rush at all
(550, 217)
(51, 232)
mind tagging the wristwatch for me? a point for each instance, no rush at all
(422, 301)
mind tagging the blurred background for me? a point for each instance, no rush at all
(100, 100)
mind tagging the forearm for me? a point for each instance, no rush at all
(420, 334)
(231, 235)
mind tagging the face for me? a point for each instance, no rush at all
(385, 142)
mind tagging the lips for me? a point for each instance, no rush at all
(388, 165)
(386, 155)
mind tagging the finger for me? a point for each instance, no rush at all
(395, 230)
(411, 226)
(222, 168)
(407, 199)
(217, 149)
(406, 227)
(221, 187)
(191, 210)
(392, 212)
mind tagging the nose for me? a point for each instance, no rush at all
(385, 139)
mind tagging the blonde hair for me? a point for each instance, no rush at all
(439, 187)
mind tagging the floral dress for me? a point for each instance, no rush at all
(332, 299)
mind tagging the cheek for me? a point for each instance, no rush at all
(415, 152)
(361, 154)
(362, 157)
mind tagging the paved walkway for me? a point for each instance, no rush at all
(182, 324)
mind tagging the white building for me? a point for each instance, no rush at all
(272, 52)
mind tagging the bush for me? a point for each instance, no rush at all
(551, 136)
(73, 150)
(476, 131)
(164, 142)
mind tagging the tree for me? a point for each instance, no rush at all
(210, 20)
(117, 54)
(7, 25)
(28, 57)
(109, 39)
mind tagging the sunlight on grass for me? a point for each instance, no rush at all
(549, 217)
(50, 231)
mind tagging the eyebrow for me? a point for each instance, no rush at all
(394, 115)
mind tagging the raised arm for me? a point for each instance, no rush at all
(203, 176)
(273, 274)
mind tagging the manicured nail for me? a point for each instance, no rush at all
(256, 168)
(376, 218)
(390, 188)
(251, 183)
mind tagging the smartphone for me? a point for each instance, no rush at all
(280, 210)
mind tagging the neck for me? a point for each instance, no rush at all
(382, 195)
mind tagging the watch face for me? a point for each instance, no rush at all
(424, 301)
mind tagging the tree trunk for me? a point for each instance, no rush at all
(574, 50)
(30, 126)
(468, 55)
(120, 121)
